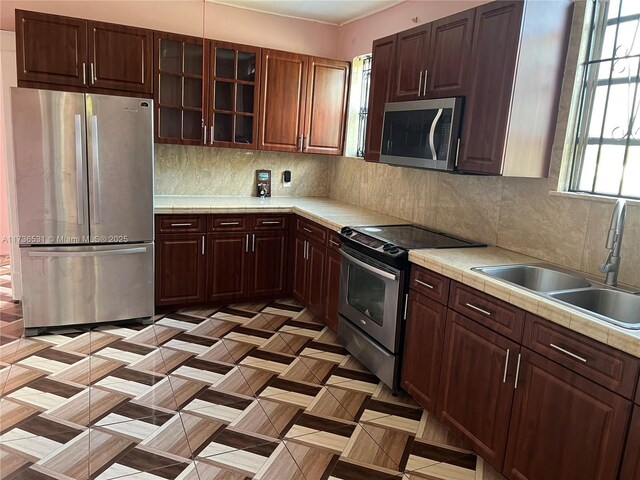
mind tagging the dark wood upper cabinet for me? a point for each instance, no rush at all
(477, 386)
(234, 94)
(282, 100)
(383, 55)
(449, 55)
(516, 72)
(51, 49)
(326, 109)
(631, 459)
(227, 266)
(563, 426)
(424, 336)
(120, 57)
(178, 90)
(412, 48)
(268, 269)
(180, 269)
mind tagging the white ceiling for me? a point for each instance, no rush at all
(335, 12)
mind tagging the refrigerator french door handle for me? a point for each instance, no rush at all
(432, 132)
(95, 164)
(79, 169)
(97, 253)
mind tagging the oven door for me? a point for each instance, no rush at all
(370, 294)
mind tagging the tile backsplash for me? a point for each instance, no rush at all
(182, 170)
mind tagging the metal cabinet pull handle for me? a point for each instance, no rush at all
(307, 230)
(270, 222)
(253, 242)
(93, 75)
(79, 169)
(205, 133)
(426, 72)
(246, 245)
(515, 384)
(211, 135)
(222, 224)
(406, 305)
(180, 224)
(424, 284)
(420, 83)
(506, 367)
(567, 352)
(335, 244)
(84, 73)
(306, 250)
(478, 309)
(300, 143)
(202, 244)
(305, 145)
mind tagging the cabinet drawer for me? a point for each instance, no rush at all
(487, 310)
(180, 223)
(333, 242)
(430, 284)
(311, 229)
(268, 222)
(228, 223)
(600, 363)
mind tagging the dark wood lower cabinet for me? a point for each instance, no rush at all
(631, 460)
(268, 266)
(563, 426)
(424, 336)
(316, 258)
(226, 266)
(180, 269)
(332, 293)
(299, 274)
(475, 398)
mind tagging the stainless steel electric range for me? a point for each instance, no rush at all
(374, 289)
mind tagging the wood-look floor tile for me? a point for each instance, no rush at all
(206, 469)
(309, 370)
(88, 343)
(185, 434)
(286, 343)
(266, 417)
(154, 335)
(162, 360)
(11, 462)
(12, 413)
(21, 348)
(162, 393)
(245, 381)
(336, 402)
(89, 406)
(14, 377)
(382, 447)
(213, 328)
(227, 351)
(142, 459)
(267, 321)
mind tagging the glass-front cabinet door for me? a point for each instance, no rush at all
(234, 73)
(179, 93)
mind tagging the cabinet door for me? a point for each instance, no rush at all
(282, 100)
(410, 64)
(382, 59)
(326, 110)
(493, 58)
(120, 57)
(178, 89)
(51, 49)
(180, 269)
(424, 336)
(234, 85)
(631, 460)
(563, 426)
(476, 390)
(227, 255)
(332, 293)
(300, 268)
(450, 55)
(268, 270)
(316, 258)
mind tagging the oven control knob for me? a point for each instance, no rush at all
(387, 246)
(347, 231)
(394, 250)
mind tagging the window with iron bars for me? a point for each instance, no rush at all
(364, 104)
(607, 150)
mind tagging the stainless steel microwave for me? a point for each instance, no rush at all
(422, 134)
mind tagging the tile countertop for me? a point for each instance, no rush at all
(329, 213)
(453, 263)
(457, 263)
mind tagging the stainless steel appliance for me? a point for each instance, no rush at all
(374, 288)
(422, 134)
(84, 181)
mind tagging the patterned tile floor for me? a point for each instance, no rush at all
(254, 390)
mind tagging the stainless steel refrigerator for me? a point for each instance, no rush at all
(84, 175)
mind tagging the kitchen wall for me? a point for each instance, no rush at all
(515, 213)
(181, 170)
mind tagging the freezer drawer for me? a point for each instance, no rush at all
(88, 284)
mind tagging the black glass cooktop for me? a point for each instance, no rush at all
(414, 237)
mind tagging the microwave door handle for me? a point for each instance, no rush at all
(432, 133)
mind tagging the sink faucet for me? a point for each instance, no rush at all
(614, 242)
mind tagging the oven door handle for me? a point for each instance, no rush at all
(368, 267)
(432, 133)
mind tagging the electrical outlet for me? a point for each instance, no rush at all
(286, 179)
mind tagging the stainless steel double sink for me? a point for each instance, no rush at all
(606, 303)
